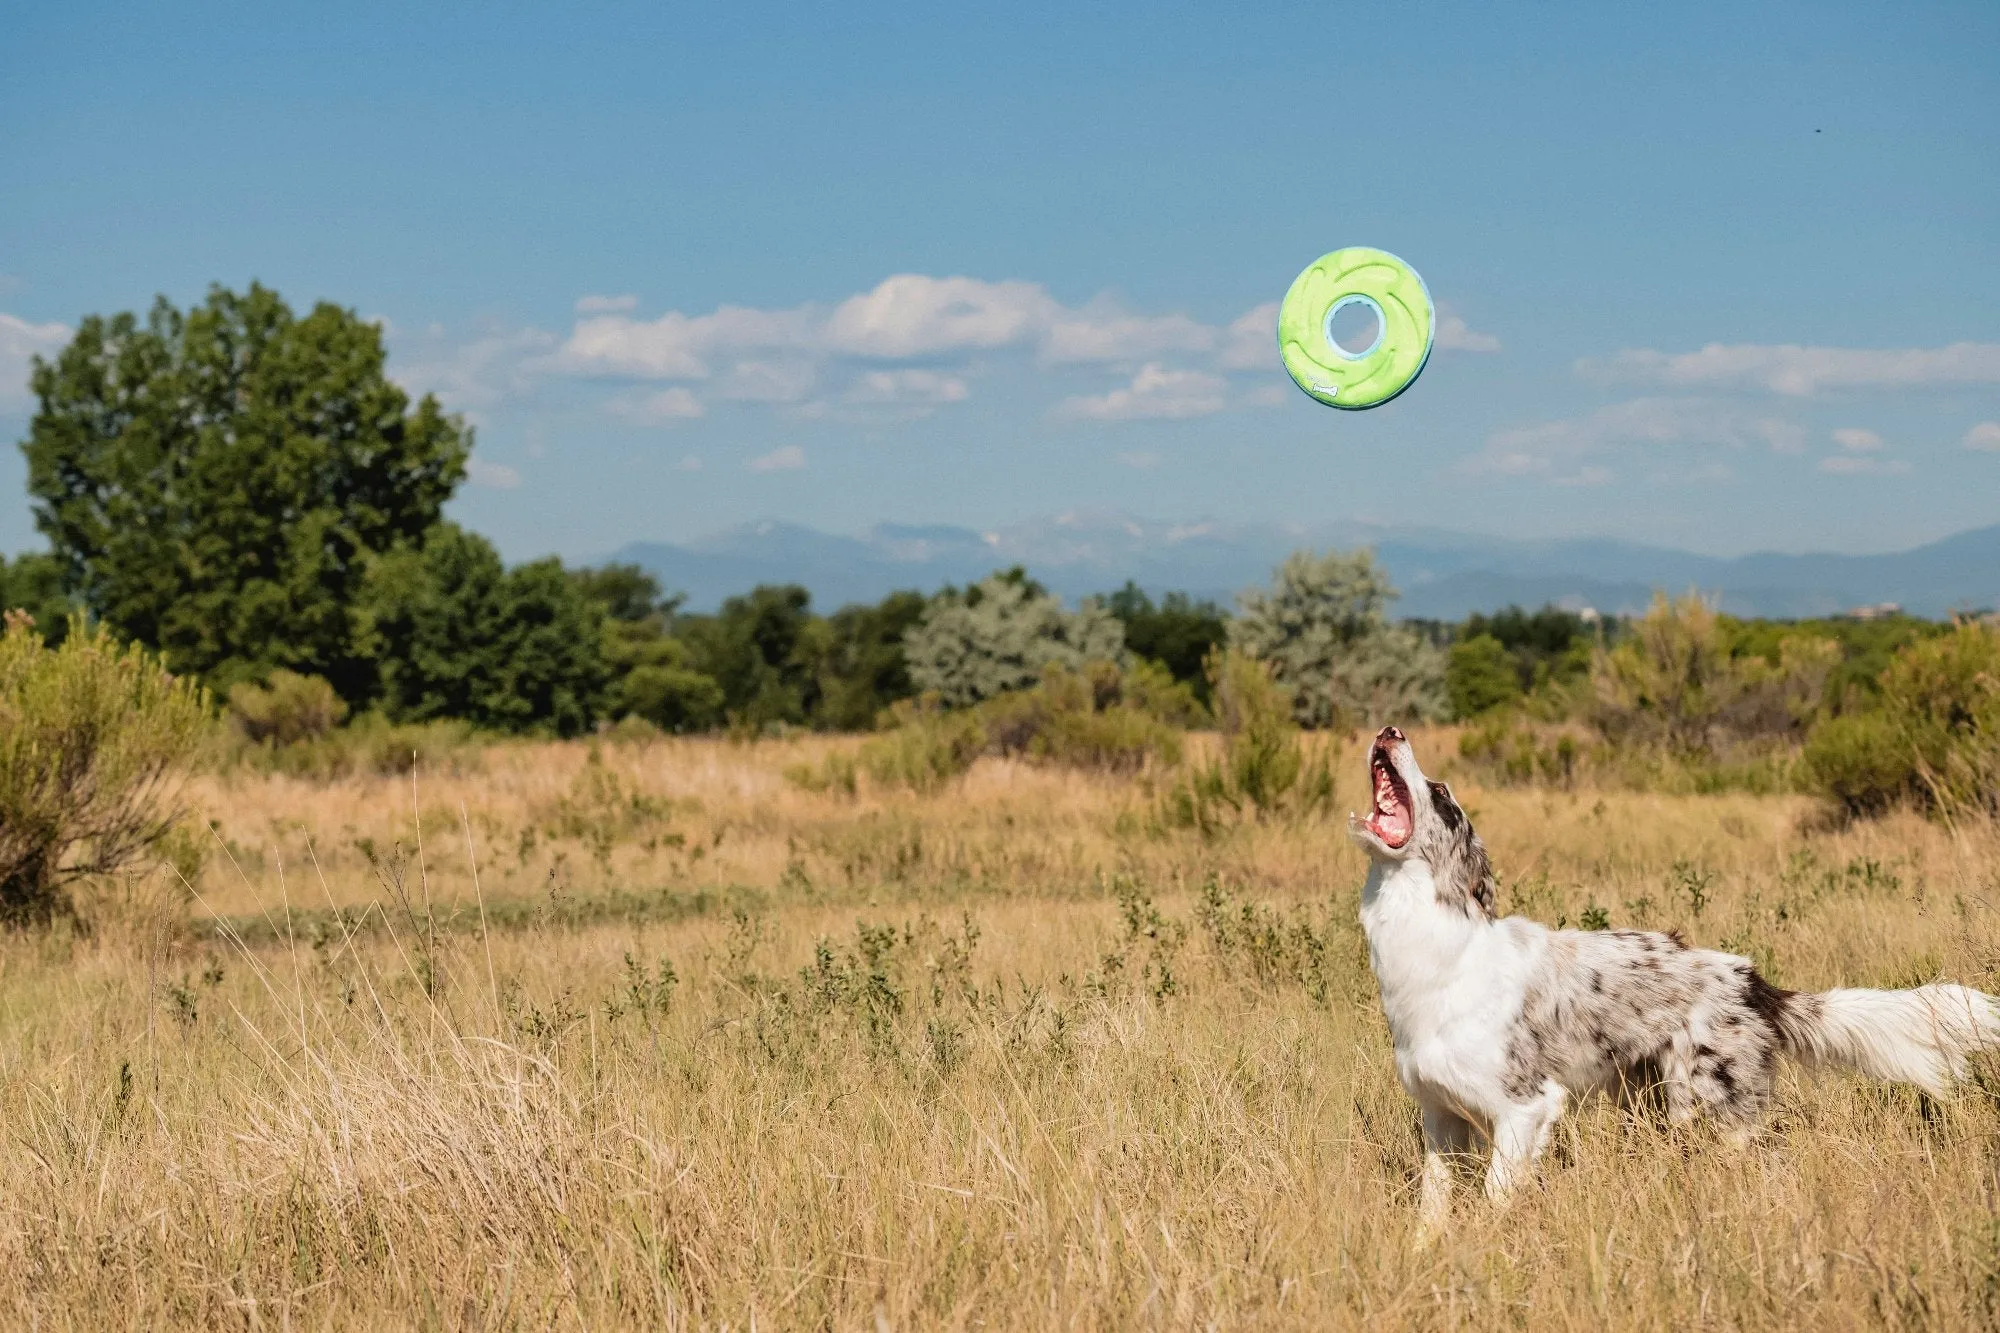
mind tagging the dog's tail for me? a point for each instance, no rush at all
(1921, 1036)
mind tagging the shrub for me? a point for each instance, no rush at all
(1673, 683)
(1098, 718)
(1933, 740)
(1178, 632)
(93, 736)
(1863, 761)
(1479, 676)
(923, 747)
(287, 708)
(1264, 769)
(672, 698)
(998, 636)
(372, 744)
(1507, 748)
(1323, 627)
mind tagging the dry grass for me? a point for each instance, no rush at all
(1008, 1056)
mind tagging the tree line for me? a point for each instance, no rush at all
(245, 491)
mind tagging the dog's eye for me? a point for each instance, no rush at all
(1439, 790)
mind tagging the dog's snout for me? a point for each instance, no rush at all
(1388, 734)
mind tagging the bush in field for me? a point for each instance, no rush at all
(92, 738)
(1323, 627)
(1673, 683)
(669, 695)
(1264, 769)
(286, 708)
(1480, 676)
(34, 583)
(1514, 654)
(1931, 741)
(372, 745)
(1097, 718)
(1177, 632)
(923, 747)
(999, 634)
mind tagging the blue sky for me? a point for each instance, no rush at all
(1728, 281)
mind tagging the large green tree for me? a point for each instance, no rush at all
(1178, 633)
(215, 482)
(457, 634)
(764, 649)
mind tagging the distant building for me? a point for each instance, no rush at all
(1879, 611)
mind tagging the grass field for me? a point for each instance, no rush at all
(729, 1053)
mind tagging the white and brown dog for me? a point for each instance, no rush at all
(1499, 1022)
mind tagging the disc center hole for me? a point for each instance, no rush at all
(1354, 326)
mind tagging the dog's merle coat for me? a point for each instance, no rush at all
(1499, 1022)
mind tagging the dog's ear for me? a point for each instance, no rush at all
(1447, 808)
(1464, 871)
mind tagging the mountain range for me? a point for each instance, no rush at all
(1442, 575)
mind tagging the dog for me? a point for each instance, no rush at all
(1500, 1022)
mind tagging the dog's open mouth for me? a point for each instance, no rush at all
(1390, 819)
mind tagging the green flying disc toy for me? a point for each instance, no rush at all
(1404, 324)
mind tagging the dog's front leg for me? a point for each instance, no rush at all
(1519, 1134)
(1446, 1135)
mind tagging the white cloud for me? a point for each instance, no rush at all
(688, 463)
(1986, 435)
(1143, 459)
(493, 476)
(1856, 440)
(472, 375)
(1155, 392)
(918, 387)
(785, 458)
(676, 346)
(19, 342)
(1801, 371)
(1100, 332)
(659, 409)
(784, 380)
(605, 305)
(1862, 465)
(910, 315)
(1251, 340)
(1453, 335)
(1552, 448)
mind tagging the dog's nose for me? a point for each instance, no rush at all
(1389, 734)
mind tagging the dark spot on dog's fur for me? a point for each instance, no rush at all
(1596, 982)
(1770, 1003)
